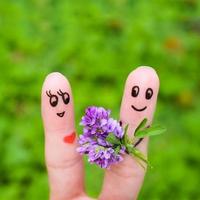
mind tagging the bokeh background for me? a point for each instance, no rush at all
(96, 44)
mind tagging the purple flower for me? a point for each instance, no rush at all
(95, 120)
(97, 125)
(114, 126)
(103, 156)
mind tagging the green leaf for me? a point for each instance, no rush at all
(129, 148)
(126, 129)
(117, 149)
(112, 139)
(139, 155)
(141, 125)
(154, 130)
(125, 138)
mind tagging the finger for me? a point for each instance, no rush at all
(124, 180)
(63, 163)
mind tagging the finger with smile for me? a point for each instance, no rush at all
(124, 180)
(63, 163)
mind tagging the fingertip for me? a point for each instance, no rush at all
(140, 96)
(143, 74)
(54, 80)
(55, 75)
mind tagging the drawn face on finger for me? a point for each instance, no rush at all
(54, 100)
(140, 96)
(57, 103)
(135, 93)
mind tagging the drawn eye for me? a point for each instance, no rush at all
(65, 97)
(53, 100)
(149, 93)
(135, 91)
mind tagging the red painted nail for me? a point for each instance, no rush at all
(70, 138)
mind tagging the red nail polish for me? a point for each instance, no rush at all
(70, 138)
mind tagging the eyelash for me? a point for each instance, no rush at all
(49, 93)
(60, 92)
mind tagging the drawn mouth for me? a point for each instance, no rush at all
(61, 114)
(137, 109)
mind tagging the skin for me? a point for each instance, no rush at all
(65, 165)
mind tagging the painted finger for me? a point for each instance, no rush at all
(63, 163)
(124, 180)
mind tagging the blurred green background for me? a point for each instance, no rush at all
(96, 44)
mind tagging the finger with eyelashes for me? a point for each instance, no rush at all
(124, 180)
(64, 165)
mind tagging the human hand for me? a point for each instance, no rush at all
(65, 165)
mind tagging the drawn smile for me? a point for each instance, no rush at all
(137, 109)
(61, 114)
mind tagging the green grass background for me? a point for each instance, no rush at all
(96, 44)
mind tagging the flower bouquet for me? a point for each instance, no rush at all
(105, 141)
